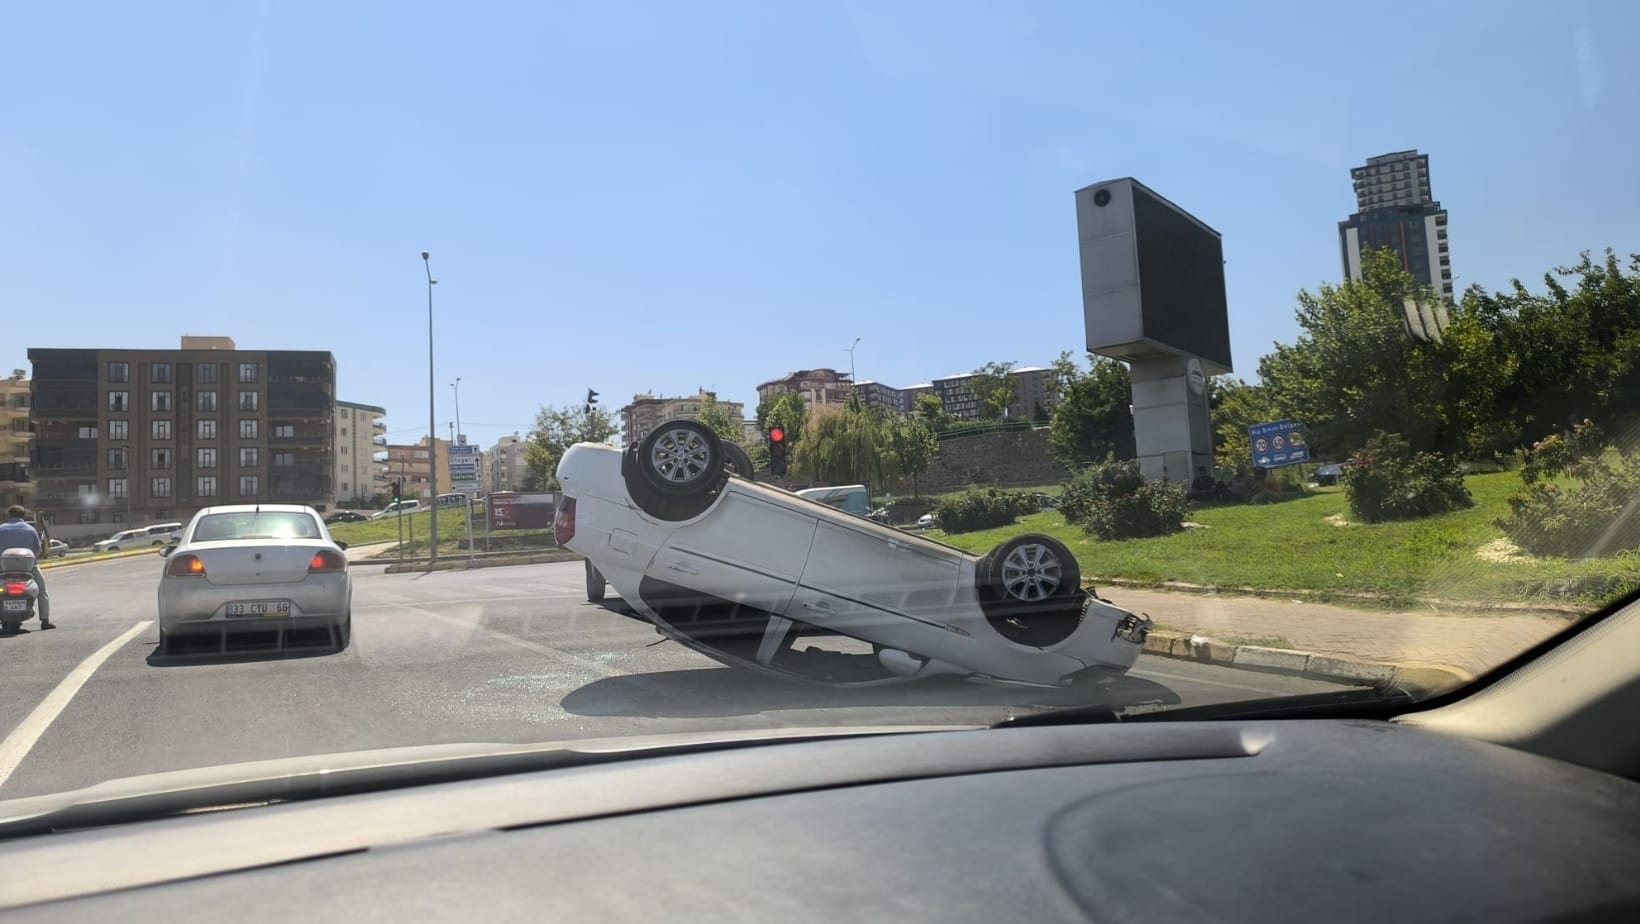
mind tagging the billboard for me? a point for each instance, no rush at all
(522, 511)
(1276, 444)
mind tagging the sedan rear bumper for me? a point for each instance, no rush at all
(192, 604)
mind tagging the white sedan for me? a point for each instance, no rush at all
(255, 568)
(744, 573)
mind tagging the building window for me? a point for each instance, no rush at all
(119, 372)
(247, 373)
(88, 433)
(289, 458)
(115, 516)
(421, 453)
(344, 431)
(207, 429)
(344, 450)
(344, 469)
(119, 401)
(119, 429)
(206, 401)
(116, 458)
(161, 429)
(346, 414)
(247, 401)
(160, 401)
(284, 431)
(248, 485)
(160, 373)
(207, 373)
(88, 516)
(247, 429)
(117, 488)
(205, 486)
(161, 459)
(345, 487)
(160, 487)
(249, 457)
(207, 457)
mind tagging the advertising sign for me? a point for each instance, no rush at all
(1277, 444)
(522, 511)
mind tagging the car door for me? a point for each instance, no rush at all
(879, 584)
(748, 550)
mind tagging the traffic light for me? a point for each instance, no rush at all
(777, 450)
(398, 490)
(592, 396)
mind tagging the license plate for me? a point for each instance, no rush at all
(14, 606)
(267, 608)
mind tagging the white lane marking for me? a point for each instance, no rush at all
(27, 733)
(526, 644)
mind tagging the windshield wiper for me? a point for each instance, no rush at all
(1359, 703)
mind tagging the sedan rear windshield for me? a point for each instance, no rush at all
(226, 527)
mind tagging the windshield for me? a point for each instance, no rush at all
(1143, 358)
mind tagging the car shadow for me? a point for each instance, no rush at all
(241, 648)
(727, 691)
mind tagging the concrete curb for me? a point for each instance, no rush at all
(462, 564)
(1346, 597)
(90, 559)
(1419, 678)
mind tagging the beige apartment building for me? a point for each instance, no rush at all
(16, 441)
(646, 412)
(135, 437)
(361, 434)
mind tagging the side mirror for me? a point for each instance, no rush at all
(166, 550)
(340, 544)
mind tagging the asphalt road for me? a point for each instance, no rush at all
(496, 655)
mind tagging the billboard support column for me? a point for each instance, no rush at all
(1171, 431)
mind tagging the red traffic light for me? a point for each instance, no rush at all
(777, 435)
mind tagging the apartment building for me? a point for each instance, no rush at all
(819, 387)
(507, 465)
(1033, 395)
(361, 435)
(147, 436)
(1396, 210)
(646, 412)
(16, 441)
(414, 464)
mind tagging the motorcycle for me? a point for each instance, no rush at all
(19, 592)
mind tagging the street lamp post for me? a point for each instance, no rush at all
(432, 422)
(456, 387)
(851, 363)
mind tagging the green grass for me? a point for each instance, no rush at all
(1292, 545)
(451, 524)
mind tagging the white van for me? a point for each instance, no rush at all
(164, 533)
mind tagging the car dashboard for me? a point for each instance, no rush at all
(1298, 820)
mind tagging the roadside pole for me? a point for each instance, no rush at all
(472, 547)
(401, 534)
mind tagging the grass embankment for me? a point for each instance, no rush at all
(1299, 545)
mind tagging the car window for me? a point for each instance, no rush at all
(221, 527)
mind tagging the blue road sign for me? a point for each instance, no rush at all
(1276, 444)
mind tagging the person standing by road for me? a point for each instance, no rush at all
(17, 533)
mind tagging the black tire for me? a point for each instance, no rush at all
(157, 543)
(11, 626)
(737, 459)
(1028, 570)
(164, 642)
(344, 631)
(682, 458)
(596, 584)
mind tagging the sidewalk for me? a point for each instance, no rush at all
(1470, 643)
(362, 552)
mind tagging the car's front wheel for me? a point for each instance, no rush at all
(1027, 570)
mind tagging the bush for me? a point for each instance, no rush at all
(983, 508)
(1388, 481)
(1113, 500)
(1590, 515)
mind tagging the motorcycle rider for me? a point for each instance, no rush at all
(17, 533)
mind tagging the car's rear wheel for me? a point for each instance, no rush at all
(681, 458)
(1025, 572)
(10, 626)
(344, 631)
(595, 584)
(739, 461)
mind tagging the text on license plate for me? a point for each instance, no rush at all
(14, 606)
(259, 608)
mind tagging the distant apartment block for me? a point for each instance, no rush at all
(1033, 395)
(646, 412)
(507, 463)
(361, 435)
(414, 465)
(148, 436)
(1395, 209)
(16, 441)
(819, 387)
(878, 395)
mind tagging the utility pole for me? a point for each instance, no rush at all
(432, 425)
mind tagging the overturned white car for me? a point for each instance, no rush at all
(749, 574)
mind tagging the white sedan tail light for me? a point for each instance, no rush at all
(326, 561)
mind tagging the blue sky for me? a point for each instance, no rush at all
(662, 196)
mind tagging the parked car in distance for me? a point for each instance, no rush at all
(1330, 474)
(164, 533)
(404, 506)
(347, 516)
(927, 521)
(56, 548)
(124, 539)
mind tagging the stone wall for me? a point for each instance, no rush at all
(1011, 458)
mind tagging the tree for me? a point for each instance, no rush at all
(716, 416)
(849, 444)
(914, 448)
(994, 386)
(556, 429)
(1094, 416)
(1234, 406)
(931, 411)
